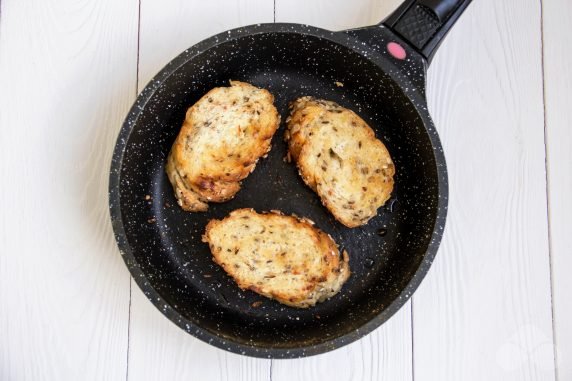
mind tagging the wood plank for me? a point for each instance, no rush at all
(67, 79)
(168, 27)
(386, 354)
(334, 14)
(484, 312)
(557, 40)
(158, 349)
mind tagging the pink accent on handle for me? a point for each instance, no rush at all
(396, 50)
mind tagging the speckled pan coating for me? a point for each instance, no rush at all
(161, 244)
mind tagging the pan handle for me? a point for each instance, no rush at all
(425, 23)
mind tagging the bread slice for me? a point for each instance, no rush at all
(281, 257)
(223, 136)
(340, 158)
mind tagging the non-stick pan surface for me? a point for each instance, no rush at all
(389, 256)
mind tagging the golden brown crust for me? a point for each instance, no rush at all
(281, 257)
(340, 158)
(223, 136)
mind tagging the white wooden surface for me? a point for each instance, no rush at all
(557, 38)
(487, 300)
(67, 78)
(494, 306)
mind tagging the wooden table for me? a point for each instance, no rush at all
(494, 305)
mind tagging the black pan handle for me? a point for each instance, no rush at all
(425, 23)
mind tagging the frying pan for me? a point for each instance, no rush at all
(377, 71)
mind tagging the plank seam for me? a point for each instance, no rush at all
(412, 341)
(136, 92)
(138, 46)
(128, 331)
(546, 171)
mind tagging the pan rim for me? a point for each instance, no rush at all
(418, 99)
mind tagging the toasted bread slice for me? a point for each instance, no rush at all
(281, 257)
(340, 158)
(223, 136)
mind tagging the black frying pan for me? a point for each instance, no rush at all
(382, 69)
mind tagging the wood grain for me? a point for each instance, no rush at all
(386, 353)
(557, 40)
(168, 27)
(484, 311)
(67, 79)
(158, 349)
(334, 14)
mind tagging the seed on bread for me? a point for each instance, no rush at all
(281, 257)
(340, 158)
(223, 136)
